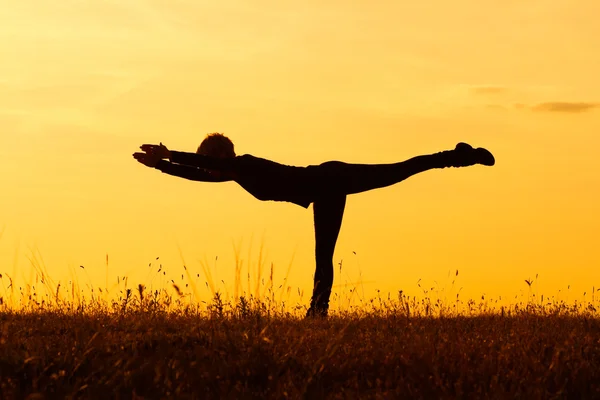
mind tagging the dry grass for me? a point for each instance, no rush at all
(123, 342)
(153, 346)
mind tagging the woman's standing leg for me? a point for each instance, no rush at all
(328, 214)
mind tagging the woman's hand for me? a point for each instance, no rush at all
(148, 159)
(159, 150)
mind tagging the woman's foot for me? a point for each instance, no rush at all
(318, 311)
(464, 155)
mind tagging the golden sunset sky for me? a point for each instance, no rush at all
(84, 83)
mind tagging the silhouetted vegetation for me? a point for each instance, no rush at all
(155, 345)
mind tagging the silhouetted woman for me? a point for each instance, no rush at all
(325, 185)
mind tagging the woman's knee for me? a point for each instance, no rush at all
(324, 257)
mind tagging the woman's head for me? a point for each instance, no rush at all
(216, 145)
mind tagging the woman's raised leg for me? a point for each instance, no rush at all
(344, 178)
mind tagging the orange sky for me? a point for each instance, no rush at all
(83, 84)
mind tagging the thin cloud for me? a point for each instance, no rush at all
(488, 90)
(565, 107)
(495, 107)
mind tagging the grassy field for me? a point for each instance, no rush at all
(150, 347)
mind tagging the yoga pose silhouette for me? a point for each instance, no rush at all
(325, 185)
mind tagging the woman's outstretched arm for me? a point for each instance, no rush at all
(201, 161)
(191, 159)
(183, 171)
(188, 172)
